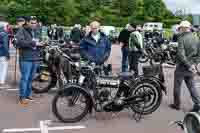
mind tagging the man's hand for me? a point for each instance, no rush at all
(193, 69)
(39, 44)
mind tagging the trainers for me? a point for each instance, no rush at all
(173, 106)
(30, 99)
(23, 101)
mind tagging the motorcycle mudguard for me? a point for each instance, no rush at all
(155, 79)
(71, 87)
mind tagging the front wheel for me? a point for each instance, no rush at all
(144, 58)
(71, 105)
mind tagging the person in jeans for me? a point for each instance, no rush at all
(4, 56)
(135, 50)
(188, 54)
(27, 42)
(123, 40)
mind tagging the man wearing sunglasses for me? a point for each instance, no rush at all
(27, 40)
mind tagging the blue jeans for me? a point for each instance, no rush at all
(124, 59)
(27, 69)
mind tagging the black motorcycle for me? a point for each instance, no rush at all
(101, 92)
(159, 53)
(48, 73)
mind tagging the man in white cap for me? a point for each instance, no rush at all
(187, 56)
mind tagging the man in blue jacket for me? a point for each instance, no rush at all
(27, 42)
(95, 47)
(4, 56)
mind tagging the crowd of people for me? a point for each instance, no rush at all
(95, 46)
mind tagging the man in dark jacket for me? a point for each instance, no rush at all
(96, 47)
(124, 40)
(4, 56)
(27, 42)
(187, 56)
(76, 34)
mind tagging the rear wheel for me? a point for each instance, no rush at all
(151, 102)
(43, 82)
(71, 106)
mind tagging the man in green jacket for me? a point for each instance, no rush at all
(135, 49)
(187, 56)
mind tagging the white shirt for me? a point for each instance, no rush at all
(96, 37)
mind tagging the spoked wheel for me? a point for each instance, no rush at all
(150, 101)
(144, 58)
(43, 82)
(70, 106)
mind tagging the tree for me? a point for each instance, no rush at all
(68, 12)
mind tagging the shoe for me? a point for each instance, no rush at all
(175, 107)
(30, 99)
(23, 101)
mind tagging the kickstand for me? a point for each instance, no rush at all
(138, 116)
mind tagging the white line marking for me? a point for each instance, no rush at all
(12, 89)
(21, 130)
(38, 129)
(65, 128)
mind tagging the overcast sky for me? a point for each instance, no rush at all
(191, 6)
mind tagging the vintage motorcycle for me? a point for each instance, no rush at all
(163, 53)
(47, 75)
(96, 90)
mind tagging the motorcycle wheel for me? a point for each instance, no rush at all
(143, 59)
(150, 103)
(72, 100)
(43, 82)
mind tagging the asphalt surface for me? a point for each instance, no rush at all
(13, 115)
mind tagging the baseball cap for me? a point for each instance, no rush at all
(185, 23)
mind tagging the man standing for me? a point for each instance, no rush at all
(124, 40)
(135, 49)
(27, 42)
(4, 55)
(187, 56)
(95, 47)
(76, 34)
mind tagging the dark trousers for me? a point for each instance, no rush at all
(134, 61)
(180, 74)
(124, 59)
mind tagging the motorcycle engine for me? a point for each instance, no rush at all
(106, 87)
(107, 81)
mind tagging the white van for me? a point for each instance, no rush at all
(150, 26)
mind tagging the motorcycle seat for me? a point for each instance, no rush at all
(125, 75)
(75, 57)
